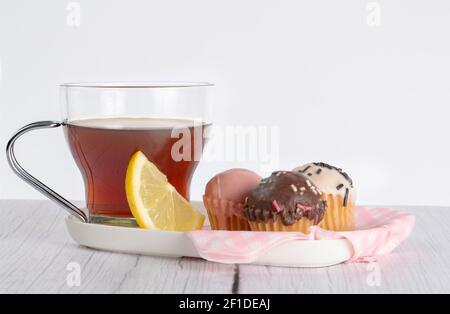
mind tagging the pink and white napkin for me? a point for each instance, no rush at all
(378, 232)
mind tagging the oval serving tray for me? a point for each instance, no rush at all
(301, 253)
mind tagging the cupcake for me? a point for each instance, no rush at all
(285, 201)
(224, 198)
(337, 190)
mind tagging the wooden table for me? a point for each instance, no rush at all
(37, 256)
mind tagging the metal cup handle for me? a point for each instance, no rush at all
(35, 183)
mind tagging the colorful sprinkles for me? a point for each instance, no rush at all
(277, 207)
(304, 207)
(297, 200)
(316, 219)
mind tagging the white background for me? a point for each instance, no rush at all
(371, 99)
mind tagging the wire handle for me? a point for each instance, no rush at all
(35, 183)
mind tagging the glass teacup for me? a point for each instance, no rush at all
(106, 123)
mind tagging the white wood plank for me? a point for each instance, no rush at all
(419, 265)
(183, 275)
(35, 250)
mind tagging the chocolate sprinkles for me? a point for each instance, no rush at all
(304, 170)
(345, 198)
(325, 165)
(340, 186)
(318, 171)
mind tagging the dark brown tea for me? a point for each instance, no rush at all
(102, 149)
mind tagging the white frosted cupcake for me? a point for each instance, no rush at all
(337, 190)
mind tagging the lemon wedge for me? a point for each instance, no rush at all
(154, 202)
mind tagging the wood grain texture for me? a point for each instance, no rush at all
(35, 250)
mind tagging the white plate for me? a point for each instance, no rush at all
(301, 253)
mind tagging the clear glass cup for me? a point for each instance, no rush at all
(105, 123)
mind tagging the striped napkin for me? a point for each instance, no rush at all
(378, 231)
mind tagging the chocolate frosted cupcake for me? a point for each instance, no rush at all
(285, 201)
(337, 190)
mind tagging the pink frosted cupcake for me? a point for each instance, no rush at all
(225, 196)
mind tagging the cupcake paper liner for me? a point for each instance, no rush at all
(229, 215)
(226, 215)
(300, 226)
(337, 216)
